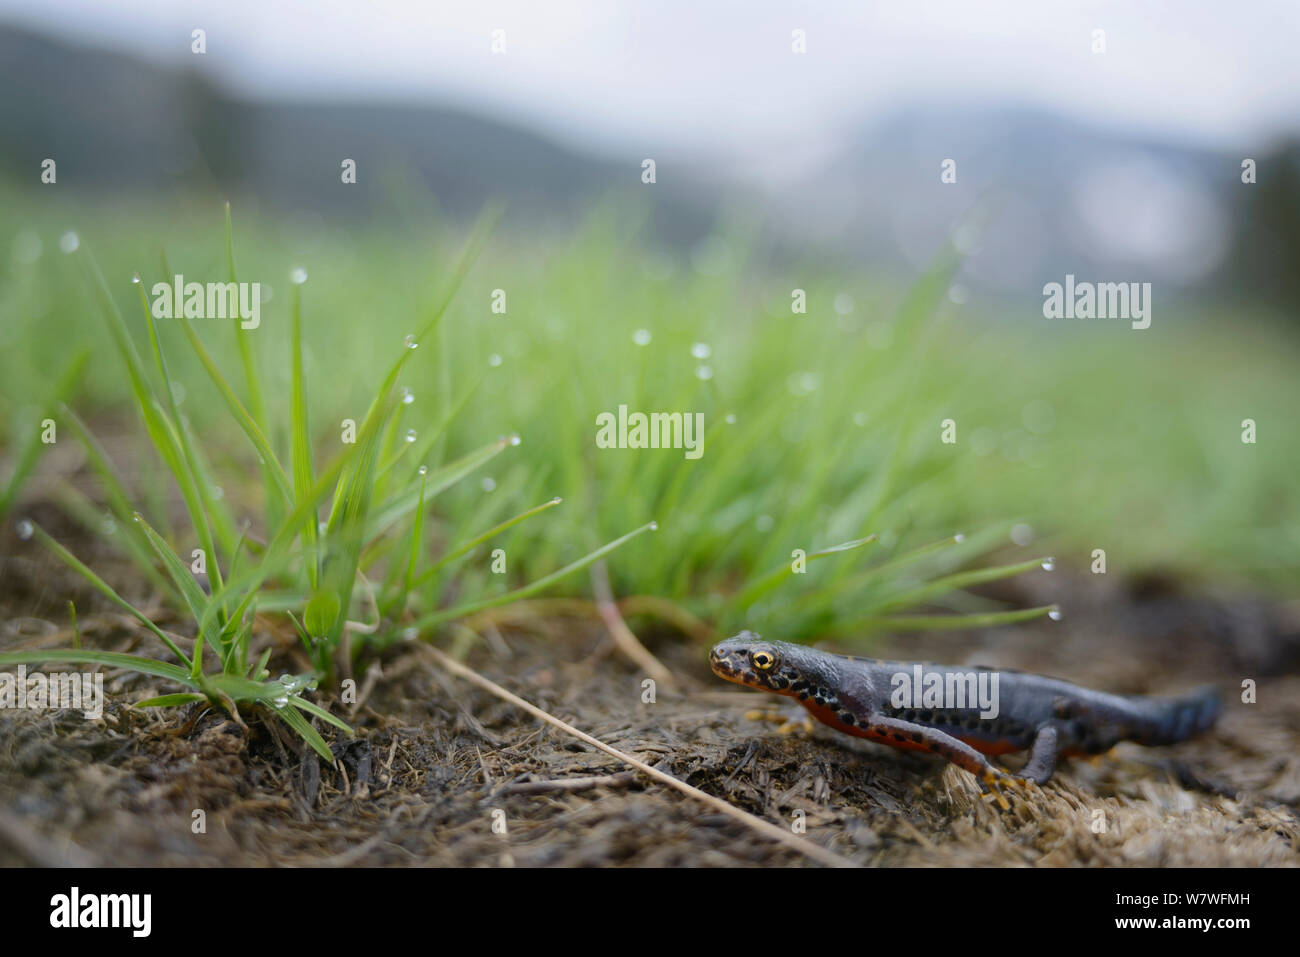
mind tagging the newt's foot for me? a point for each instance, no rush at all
(994, 779)
(786, 721)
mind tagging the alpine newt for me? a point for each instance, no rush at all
(951, 714)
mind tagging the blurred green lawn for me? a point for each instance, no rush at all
(820, 428)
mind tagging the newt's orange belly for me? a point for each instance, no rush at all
(827, 717)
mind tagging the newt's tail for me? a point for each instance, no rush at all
(1170, 720)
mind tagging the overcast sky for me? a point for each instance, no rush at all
(718, 76)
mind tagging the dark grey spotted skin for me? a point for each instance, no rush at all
(1049, 716)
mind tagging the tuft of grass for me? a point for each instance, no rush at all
(306, 564)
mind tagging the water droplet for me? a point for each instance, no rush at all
(410, 342)
(1049, 564)
(1055, 613)
(281, 701)
(286, 679)
(298, 276)
(701, 350)
(407, 396)
(488, 483)
(557, 500)
(218, 492)
(1022, 534)
(135, 279)
(654, 526)
(108, 524)
(641, 337)
(410, 634)
(410, 435)
(515, 440)
(959, 538)
(69, 242)
(958, 294)
(704, 373)
(731, 418)
(25, 529)
(494, 360)
(423, 470)
(860, 419)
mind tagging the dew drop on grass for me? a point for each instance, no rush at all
(959, 538)
(423, 470)
(410, 634)
(1049, 564)
(135, 279)
(494, 360)
(281, 702)
(298, 276)
(731, 418)
(557, 500)
(701, 350)
(69, 242)
(515, 440)
(410, 342)
(410, 435)
(25, 529)
(488, 483)
(1055, 614)
(654, 526)
(641, 337)
(1022, 534)
(407, 396)
(704, 373)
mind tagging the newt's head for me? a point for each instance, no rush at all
(749, 660)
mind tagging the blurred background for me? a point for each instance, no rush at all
(775, 170)
(1122, 161)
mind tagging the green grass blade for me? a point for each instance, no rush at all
(301, 435)
(112, 659)
(479, 540)
(291, 716)
(205, 499)
(437, 618)
(764, 584)
(948, 583)
(105, 589)
(32, 448)
(266, 457)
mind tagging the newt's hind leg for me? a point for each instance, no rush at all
(991, 778)
(787, 720)
(1042, 759)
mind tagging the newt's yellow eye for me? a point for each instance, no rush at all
(762, 660)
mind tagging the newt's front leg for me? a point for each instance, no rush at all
(896, 731)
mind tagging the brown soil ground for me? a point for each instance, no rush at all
(434, 757)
